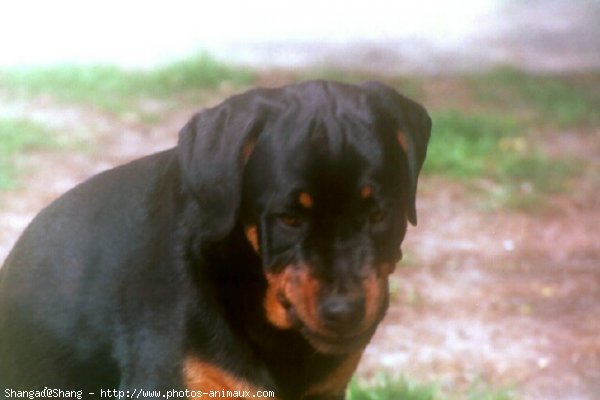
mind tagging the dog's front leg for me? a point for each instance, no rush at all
(150, 361)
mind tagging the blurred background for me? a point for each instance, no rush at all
(498, 296)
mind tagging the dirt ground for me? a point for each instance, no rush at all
(509, 299)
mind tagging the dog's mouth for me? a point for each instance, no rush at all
(330, 342)
(337, 344)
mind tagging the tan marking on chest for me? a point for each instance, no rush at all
(204, 377)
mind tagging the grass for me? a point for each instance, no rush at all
(386, 387)
(116, 90)
(16, 137)
(498, 150)
(465, 146)
(551, 99)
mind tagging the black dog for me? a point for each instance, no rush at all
(253, 256)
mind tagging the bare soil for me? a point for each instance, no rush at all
(507, 298)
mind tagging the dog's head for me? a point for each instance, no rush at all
(323, 178)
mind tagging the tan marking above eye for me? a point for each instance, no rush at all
(252, 236)
(305, 200)
(366, 192)
(402, 140)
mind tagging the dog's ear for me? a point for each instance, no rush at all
(213, 149)
(412, 127)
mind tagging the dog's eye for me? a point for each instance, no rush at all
(291, 221)
(377, 216)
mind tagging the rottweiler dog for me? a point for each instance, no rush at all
(253, 256)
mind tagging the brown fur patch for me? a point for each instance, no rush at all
(366, 192)
(298, 287)
(335, 383)
(252, 236)
(274, 309)
(303, 294)
(305, 200)
(386, 269)
(375, 288)
(203, 377)
(403, 140)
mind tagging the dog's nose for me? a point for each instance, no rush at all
(341, 312)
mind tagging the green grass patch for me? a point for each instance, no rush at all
(466, 146)
(386, 387)
(498, 150)
(18, 136)
(551, 99)
(117, 90)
